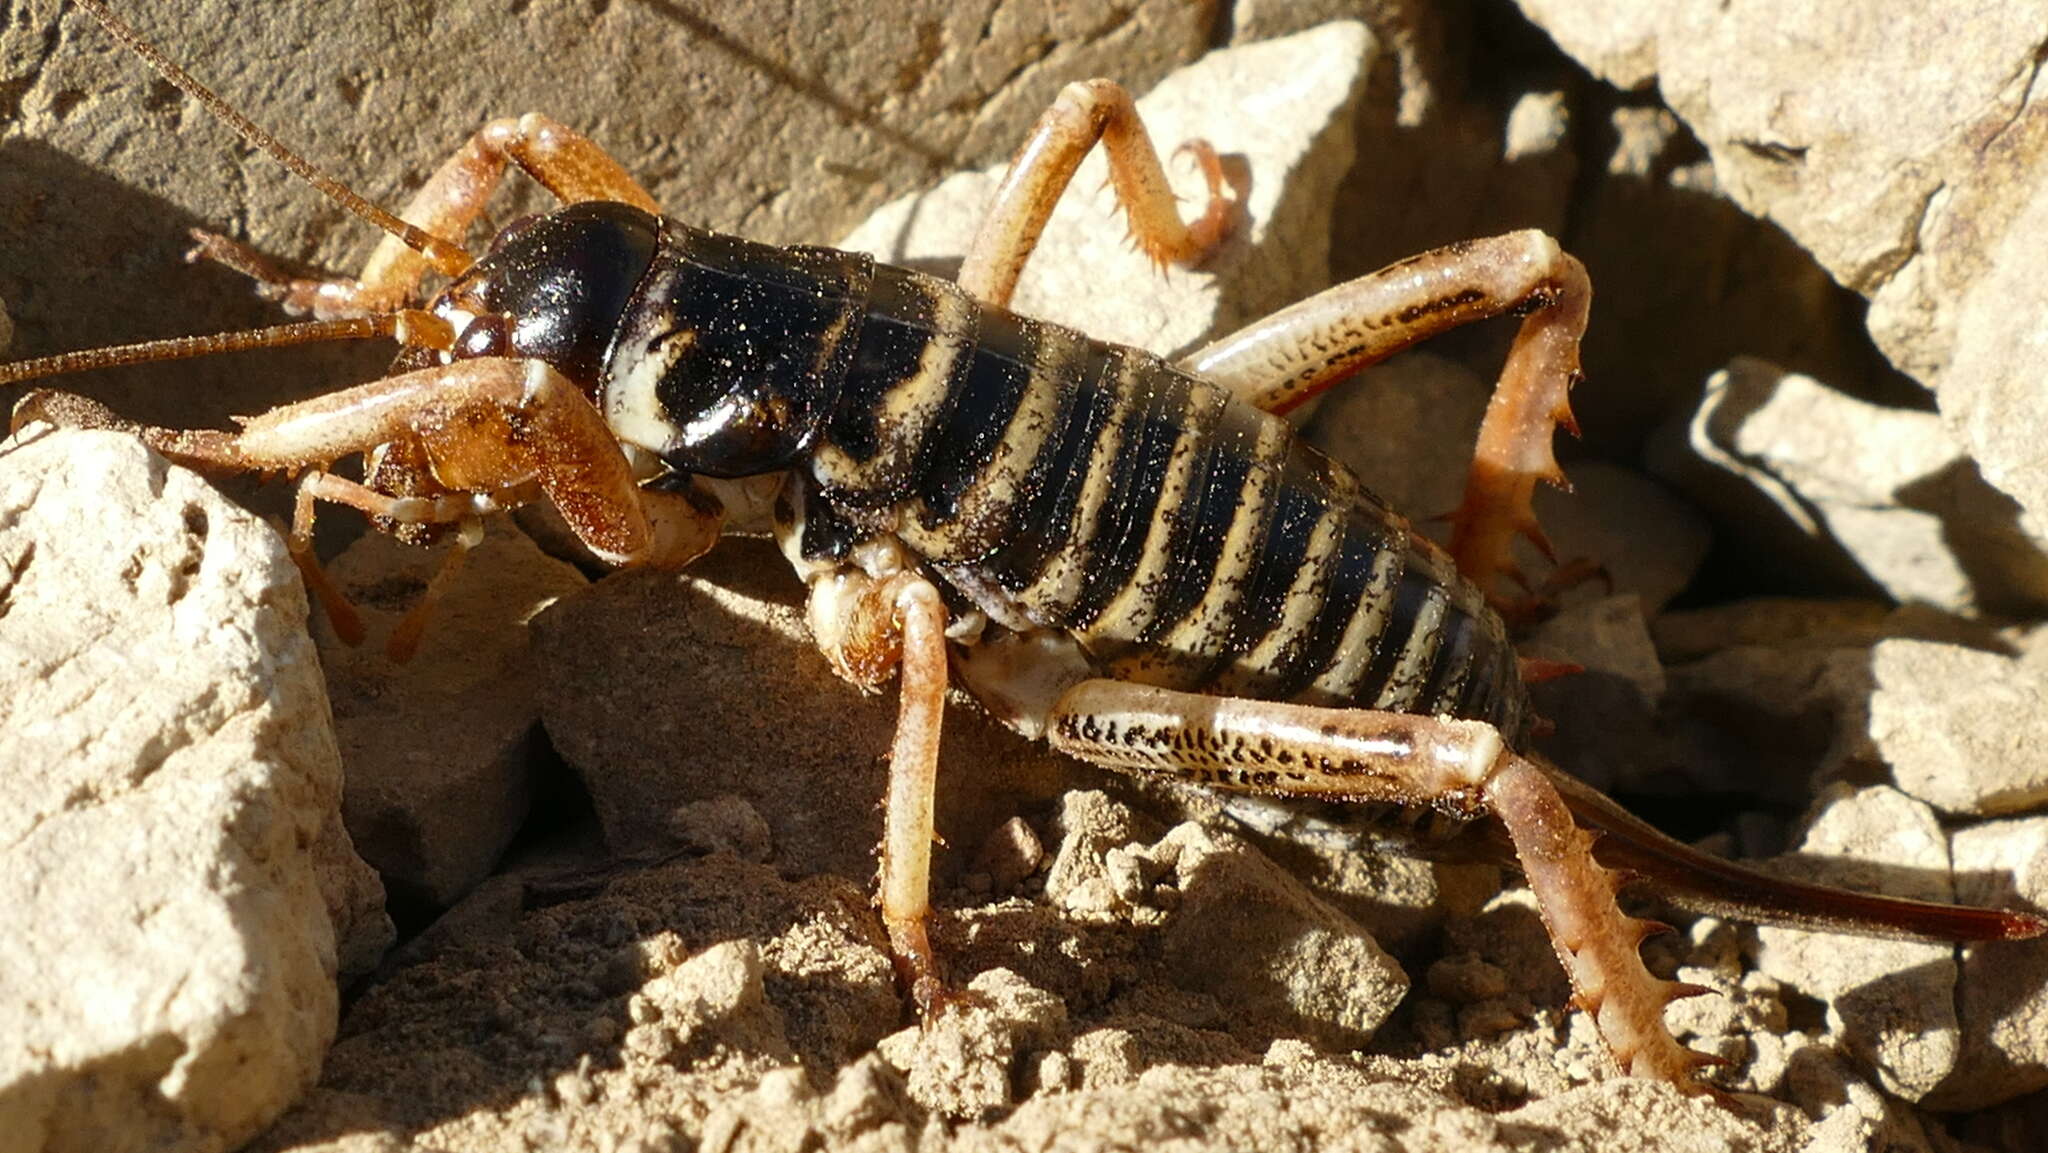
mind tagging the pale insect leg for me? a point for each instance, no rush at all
(1088, 111)
(872, 628)
(563, 161)
(1461, 767)
(1280, 361)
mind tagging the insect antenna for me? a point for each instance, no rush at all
(447, 258)
(182, 347)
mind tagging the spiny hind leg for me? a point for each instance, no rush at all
(1086, 112)
(1284, 359)
(563, 161)
(1457, 766)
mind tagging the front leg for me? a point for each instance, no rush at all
(566, 163)
(1461, 767)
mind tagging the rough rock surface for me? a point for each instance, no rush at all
(1955, 724)
(1606, 713)
(170, 839)
(1906, 148)
(1892, 1002)
(2002, 992)
(1821, 487)
(623, 1002)
(711, 1002)
(1236, 926)
(1246, 932)
(439, 749)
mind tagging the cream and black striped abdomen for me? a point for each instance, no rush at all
(1183, 537)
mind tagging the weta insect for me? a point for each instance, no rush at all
(1134, 560)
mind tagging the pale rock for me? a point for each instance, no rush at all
(1401, 899)
(1406, 427)
(1089, 824)
(959, 1062)
(1466, 978)
(1010, 854)
(1764, 720)
(1790, 623)
(1108, 1057)
(1684, 280)
(355, 898)
(439, 749)
(1728, 1022)
(1254, 936)
(1268, 19)
(1906, 148)
(715, 997)
(2002, 992)
(1281, 109)
(1891, 1002)
(1852, 1113)
(1765, 694)
(1817, 486)
(1990, 394)
(1960, 727)
(1605, 637)
(172, 808)
(1538, 125)
(1647, 539)
(661, 689)
(1615, 39)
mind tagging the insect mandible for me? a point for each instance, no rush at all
(1135, 560)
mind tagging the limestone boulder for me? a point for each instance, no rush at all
(178, 887)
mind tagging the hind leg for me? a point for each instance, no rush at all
(1281, 361)
(1460, 767)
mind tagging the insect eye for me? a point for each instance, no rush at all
(486, 335)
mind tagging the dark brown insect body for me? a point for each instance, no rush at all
(1183, 537)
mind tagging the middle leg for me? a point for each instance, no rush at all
(871, 628)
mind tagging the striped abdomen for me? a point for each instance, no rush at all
(1183, 537)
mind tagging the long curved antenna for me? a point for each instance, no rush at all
(446, 257)
(181, 347)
